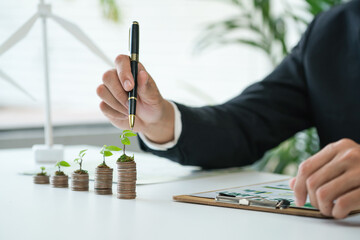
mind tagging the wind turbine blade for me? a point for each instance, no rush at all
(12, 81)
(19, 34)
(80, 35)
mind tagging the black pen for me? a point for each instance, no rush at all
(134, 60)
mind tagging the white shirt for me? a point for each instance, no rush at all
(177, 132)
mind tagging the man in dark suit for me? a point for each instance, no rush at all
(318, 84)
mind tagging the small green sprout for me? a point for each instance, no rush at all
(42, 173)
(62, 164)
(106, 151)
(79, 160)
(124, 137)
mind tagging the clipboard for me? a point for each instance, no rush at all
(273, 197)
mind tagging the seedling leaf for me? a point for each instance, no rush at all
(125, 141)
(64, 164)
(82, 151)
(130, 134)
(113, 148)
(107, 153)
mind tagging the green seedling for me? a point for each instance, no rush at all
(124, 137)
(61, 164)
(106, 151)
(79, 160)
(42, 173)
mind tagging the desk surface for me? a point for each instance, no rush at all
(29, 211)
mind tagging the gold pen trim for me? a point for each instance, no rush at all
(131, 120)
(132, 98)
(134, 57)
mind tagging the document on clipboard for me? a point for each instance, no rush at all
(275, 197)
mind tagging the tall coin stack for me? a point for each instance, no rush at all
(60, 181)
(103, 181)
(41, 179)
(79, 182)
(126, 188)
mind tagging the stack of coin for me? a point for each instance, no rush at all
(103, 181)
(126, 188)
(80, 182)
(41, 179)
(60, 181)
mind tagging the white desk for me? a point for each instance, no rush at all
(29, 211)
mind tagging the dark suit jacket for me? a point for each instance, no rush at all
(318, 84)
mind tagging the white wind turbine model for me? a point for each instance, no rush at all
(48, 152)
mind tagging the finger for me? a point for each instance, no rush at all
(147, 89)
(329, 171)
(346, 203)
(329, 192)
(122, 64)
(292, 183)
(309, 167)
(104, 93)
(143, 77)
(111, 81)
(111, 113)
(141, 67)
(143, 82)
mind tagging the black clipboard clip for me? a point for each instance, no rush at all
(252, 201)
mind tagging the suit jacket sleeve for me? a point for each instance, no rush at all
(239, 131)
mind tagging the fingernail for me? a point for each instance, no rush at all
(127, 85)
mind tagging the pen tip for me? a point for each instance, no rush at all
(131, 121)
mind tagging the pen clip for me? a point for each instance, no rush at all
(129, 40)
(252, 201)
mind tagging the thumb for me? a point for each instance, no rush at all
(147, 88)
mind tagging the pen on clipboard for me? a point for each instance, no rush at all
(252, 201)
(134, 60)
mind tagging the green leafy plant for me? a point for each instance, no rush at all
(106, 151)
(79, 161)
(110, 10)
(61, 164)
(259, 26)
(124, 137)
(42, 173)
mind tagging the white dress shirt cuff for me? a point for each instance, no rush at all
(177, 132)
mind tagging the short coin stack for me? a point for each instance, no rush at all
(103, 181)
(60, 181)
(41, 179)
(126, 188)
(80, 182)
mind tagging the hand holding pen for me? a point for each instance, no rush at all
(154, 114)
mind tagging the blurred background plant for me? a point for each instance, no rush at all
(110, 10)
(259, 26)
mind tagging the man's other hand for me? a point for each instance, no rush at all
(331, 179)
